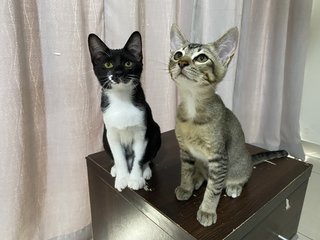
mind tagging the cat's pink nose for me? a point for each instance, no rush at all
(183, 63)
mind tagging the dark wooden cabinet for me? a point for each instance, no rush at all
(268, 208)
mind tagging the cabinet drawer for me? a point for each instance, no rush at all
(283, 221)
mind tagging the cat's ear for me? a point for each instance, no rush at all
(177, 40)
(226, 46)
(98, 49)
(134, 45)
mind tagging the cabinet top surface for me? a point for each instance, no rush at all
(266, 182)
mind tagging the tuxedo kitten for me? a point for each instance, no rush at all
(131, 137)
(211, 140)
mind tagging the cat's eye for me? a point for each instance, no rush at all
(201, 58)
(108, 65)
(128, 64)
(177, 55)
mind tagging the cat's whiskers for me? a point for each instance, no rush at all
(107, 83)
(104, 84)
(134, 78)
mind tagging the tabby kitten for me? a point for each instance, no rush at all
(131, 137)
(211, 140)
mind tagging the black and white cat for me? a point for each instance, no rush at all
(131, 136)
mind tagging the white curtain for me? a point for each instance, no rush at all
(270, 72)
(49, 117)
(264, 81)
(49, 110)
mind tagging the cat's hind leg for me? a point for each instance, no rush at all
(147, 173)
(233, 190)
(235, 182)
(238, 174)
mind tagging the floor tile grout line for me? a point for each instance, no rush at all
(304, 235)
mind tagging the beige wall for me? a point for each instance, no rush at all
(310, 108)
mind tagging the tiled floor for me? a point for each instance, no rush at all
(309, 227)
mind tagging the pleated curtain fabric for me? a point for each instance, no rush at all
(50, 115)
(270, 72)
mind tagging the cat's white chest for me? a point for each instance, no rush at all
(190, 107)
(189, 103)
(198, 154)
(121, 113)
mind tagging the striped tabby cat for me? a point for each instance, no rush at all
(211, 140)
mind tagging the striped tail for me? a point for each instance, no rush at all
(266, 156)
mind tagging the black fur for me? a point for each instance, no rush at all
(100, 54)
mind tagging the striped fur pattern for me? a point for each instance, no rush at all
(211, 140)
(266, 156)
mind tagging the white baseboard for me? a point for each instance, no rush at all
(311, 149)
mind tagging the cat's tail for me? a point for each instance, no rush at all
(266, 156)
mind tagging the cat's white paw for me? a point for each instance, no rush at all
(182, 194)
(234, 191)
(136, 183)
(147, 173)
(121, 182)
(113, 171)
(198, 182)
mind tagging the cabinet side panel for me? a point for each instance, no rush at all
(113, 217)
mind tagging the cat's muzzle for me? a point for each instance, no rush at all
(118, 80)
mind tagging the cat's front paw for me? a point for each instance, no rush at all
(206, 219)
(136, 183)
(121, 182)
(182, 194)
(113, 171)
